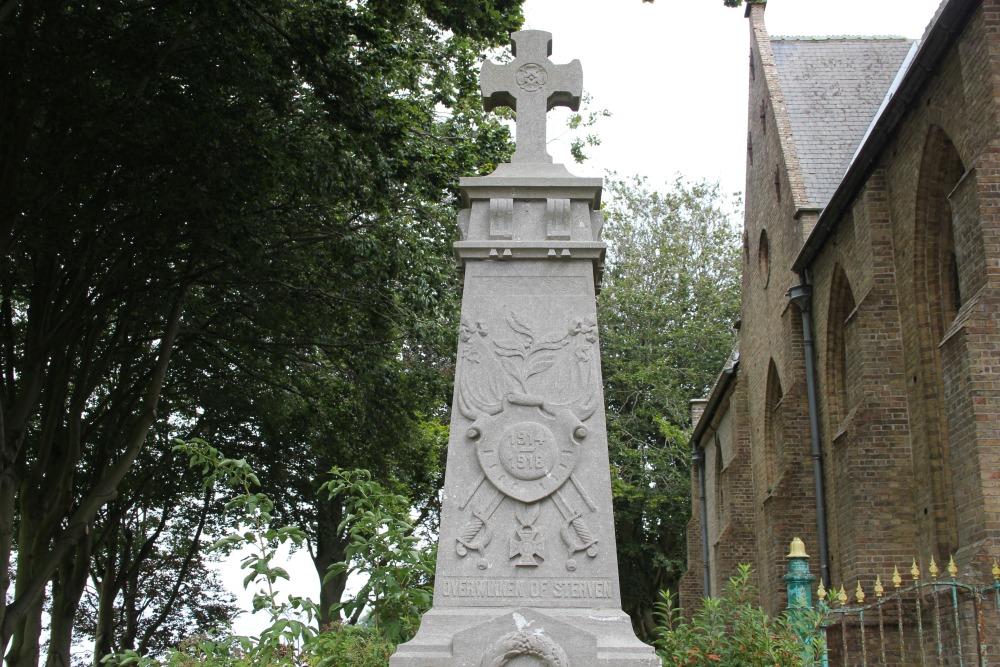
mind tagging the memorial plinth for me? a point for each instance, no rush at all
(527, 572)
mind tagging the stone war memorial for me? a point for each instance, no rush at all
(527, 572)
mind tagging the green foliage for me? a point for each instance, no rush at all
(670, 297)
(733, 631)
(230, 220)
(336, 646)
(351, 646)
(383, 548)
(727, 3)
(587, 119)
(291, 625)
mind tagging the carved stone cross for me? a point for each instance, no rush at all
(531, 85)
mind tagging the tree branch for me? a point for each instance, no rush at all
(181, 578)
(103, 490)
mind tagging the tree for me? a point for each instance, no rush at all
(728, 3)
(200, 200)
(153, 584)
(386, 418)
(669, 301)
(382, 550)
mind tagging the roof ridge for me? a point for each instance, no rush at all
(828, 38)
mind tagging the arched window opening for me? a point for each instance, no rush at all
(720, 487)
(937, 299)
(844, 360)
(940, 172)
(774, 424)
(764, 257)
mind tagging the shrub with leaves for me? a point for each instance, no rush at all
(732, 630)
(383, 548)
(351, 646)
(383, 551)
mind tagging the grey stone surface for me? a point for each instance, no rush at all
(531, 85)
(527, 572)
(833, 86)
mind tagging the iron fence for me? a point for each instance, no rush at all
(937, 621)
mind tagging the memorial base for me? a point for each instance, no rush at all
(522, 636)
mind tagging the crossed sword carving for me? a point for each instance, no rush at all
(575, 533)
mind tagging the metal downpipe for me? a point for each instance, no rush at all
(699, 459)
(801, 296)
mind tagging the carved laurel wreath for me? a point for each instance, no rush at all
(521, 643)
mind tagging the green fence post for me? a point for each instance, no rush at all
(799, 581)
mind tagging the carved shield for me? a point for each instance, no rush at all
(529, 452)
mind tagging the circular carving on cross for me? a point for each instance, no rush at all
(528, 450)
(531, 77)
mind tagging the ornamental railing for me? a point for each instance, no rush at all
(927, 621)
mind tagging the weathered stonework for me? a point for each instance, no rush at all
(527, 572)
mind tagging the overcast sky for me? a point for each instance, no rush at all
(674, 75)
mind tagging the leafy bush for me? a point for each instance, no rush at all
(382, 548)
(351, 646)
(338, 646)
(733, 631)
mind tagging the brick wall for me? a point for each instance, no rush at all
(906, 300)
(729, 500)
(777, 431)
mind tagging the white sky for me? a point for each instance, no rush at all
(674, 75)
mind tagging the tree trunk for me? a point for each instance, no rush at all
(67, 589)
(104, 630)
(6, 538)
(67, 530)
(329, 549)
(26, 647)
(195, 547)
(26, 627)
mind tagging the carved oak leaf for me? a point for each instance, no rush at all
(540, 364)
(513, 370)
(552, 341)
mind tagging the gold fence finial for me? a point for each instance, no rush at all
(859, 594)
(821, 591)
(996, 570)
(933, 569)
(842, 596)
(897, 580)
(797, 549)
(879, 588)
(915, 571)
(952, 568)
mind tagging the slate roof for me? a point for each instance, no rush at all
(833, 86)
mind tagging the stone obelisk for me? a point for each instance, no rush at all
(527, 572)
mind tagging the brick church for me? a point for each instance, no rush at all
(861, 409)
